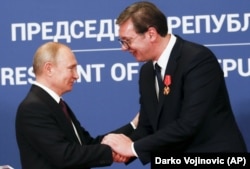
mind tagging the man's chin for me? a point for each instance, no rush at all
(69, 89)
(139, 59)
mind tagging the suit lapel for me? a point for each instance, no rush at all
(56, 111)
(170, 70)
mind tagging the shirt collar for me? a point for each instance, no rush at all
(49, 91)
(163, 59)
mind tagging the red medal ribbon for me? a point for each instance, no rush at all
(167, 80)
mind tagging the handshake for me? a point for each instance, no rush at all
(122, 146)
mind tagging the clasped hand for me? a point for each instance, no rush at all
(121, 146)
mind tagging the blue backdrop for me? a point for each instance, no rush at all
(106, 95)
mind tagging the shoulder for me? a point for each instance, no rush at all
(194, 48)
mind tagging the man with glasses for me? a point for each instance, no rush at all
(184, 103)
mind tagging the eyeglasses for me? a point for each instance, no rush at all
(126, 43)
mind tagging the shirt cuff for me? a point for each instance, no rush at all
(133, 149)
(132, 124)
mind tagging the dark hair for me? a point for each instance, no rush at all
(144, 15)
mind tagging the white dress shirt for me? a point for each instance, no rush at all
(162, 62)
(57, 99)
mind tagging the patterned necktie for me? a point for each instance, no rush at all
(65, 110)
(158, 76)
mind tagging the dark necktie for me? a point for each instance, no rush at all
(158, 76)
(65, 110)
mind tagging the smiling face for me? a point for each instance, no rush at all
(139, 45)
(64, 71)
(55, 66)
(143, 31)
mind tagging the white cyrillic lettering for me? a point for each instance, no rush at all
(116, 29)
(73, 29)
(62, 31)
(198, 23)
(246, 22)
(46, 28)
(233, 24)
(32, 29)
(89, 28)
(186, 24)
(173, 22)
(218, 22)
(14, 32)
(109, 33)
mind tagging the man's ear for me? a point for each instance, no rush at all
(48, 68)
(152, 33)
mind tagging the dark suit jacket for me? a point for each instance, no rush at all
(195, 116)
(47, 140)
